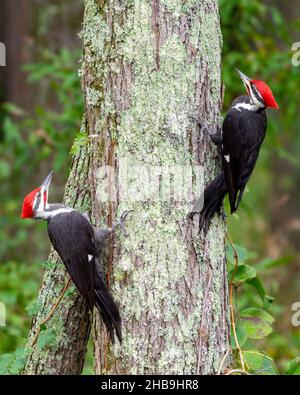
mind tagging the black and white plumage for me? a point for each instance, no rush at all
(239, 143)
(72, 237)
(80, 245)
(243, 133)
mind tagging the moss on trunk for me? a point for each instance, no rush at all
(149, 68)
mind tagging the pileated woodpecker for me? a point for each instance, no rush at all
(80, 246)
(243, 132)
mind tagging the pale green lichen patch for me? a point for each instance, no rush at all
(93, 97)
(154, 126)
(173, 6)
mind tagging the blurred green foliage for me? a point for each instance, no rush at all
(31, 143)
(257, 40)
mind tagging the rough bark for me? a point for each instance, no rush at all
(148, 68)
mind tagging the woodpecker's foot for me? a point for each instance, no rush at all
(216, 138)
(197, 208)
(191, 215)
(121, 222)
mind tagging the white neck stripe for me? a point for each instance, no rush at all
(247, 106)
(53, 213)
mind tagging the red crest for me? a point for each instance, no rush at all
(266, 93)
(27, 211)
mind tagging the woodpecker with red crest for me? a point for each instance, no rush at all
(243, 132)
(80, 245)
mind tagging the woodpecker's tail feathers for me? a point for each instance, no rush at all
(109, 312)
(213, 197)
(238, 198)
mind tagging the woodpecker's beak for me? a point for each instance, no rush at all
(45, 185)
(246, 80)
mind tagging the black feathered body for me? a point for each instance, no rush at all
(80, 246)
(72, 237)
(243, 132)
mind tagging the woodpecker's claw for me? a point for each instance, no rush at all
(121, 222)
(216, 138)
(191, 215)
(197, 207)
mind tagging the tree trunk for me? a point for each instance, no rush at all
(149, 68)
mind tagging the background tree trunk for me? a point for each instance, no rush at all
(148, 69)
(28, 27)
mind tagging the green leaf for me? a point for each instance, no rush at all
(81, 140)
(70, 291)
(241, 337)
(48, 265)
(12, 132)
(14, 362)
(5, 361)
(257, 284)
(242, 274)
(4, 170)
(46, 338)
(259, 313)
(271, 263)
(19, 361)
(43, 327)
(255, 328)
(294, 367)
(260, 364)
(256, 322)
(13, 109)
(33, 308)
(242, 253)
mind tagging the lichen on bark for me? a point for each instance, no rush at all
(159, 66)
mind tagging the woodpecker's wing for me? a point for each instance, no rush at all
(243, 134)
(72, 237)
